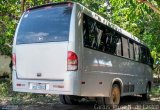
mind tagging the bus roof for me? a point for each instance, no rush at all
(109, 24)
(96, 17)
(49, 4)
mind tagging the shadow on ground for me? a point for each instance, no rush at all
(127, 103)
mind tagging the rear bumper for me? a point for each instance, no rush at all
(52, 87)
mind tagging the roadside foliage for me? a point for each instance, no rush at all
(136, 18)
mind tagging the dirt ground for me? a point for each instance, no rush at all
(127, 103)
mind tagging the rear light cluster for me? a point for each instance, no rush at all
(72, 61)
(14, 61)
(19, 84)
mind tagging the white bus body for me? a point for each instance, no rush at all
(44, 67)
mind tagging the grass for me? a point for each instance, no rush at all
(155, 91)
(7, 96)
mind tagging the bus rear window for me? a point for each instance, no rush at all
(47, 24)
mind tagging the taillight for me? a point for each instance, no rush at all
(14, 61)
(72, 61)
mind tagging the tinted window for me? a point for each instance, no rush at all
(143, 55)
(48, 24)
(131, 50)
(148, 56)
(85, 32)
(125, 47)
(92, 32)
(119, 47)
(136, 50)
(100, 37)
(112, 39)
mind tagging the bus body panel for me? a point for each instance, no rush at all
(52, 86)
(96, 72)
(41, 61)
(101, 67)
(48, 58)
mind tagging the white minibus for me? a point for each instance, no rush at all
(66, 49)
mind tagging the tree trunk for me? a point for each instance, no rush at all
(150, 5)
(158, 76)
(22, 5)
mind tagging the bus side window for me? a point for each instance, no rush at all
(111, 40)
(131, 49)
(108, 40)
(102, 42)
(119, 47)
(86, 39)
(143, 54)
(150, 60)
(115, 39)
(136, 50)
(90, 32)
(92, 29)
(125, 47)
(98, 35)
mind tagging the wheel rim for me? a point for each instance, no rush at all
(115, 95)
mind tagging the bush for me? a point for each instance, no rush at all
(156, 91)
(4, 88)
(18, 98)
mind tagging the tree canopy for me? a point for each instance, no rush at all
(137, 18)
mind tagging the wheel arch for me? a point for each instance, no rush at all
(119, 82)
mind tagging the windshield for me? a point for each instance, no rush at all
(47, 24)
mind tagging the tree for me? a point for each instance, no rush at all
(9, 15)
(150, 5)
(136, 18)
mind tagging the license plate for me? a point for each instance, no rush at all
(38, 86)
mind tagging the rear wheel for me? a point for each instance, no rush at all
(146, 96)
(62, 99)
(114, 100)
(68, 99)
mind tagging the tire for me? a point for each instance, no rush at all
(146, 96)
(112, 101)
(68, 99)
(62, 99)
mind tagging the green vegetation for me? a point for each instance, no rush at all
(136, 18)
(155, 91)
(14, 98)
(9, 97)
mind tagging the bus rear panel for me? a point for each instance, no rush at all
(42, 59)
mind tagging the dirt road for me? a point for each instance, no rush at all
(127, 103)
